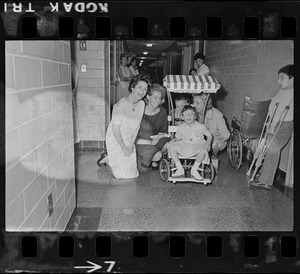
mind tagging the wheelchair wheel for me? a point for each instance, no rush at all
(209, 172)
(229, 145)
(164, 170)
(236, 149)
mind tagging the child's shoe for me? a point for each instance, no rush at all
(179, 172)
(195, 174)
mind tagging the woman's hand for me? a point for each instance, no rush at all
(176, 140)
(131, 147)
(126, 151)
(208, 147)
(161, 135)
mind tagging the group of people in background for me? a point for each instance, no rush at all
(127, 71)
(137, 135)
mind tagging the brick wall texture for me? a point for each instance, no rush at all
(246, 68)
(90, 94)
(39, 135)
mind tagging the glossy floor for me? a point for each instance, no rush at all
(149, 204)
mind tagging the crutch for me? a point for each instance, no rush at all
(267, 146)
(262, 138)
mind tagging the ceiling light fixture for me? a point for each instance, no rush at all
(145, 52)
(149, 45)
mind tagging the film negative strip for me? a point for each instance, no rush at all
(63, 208)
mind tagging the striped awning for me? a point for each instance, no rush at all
(191, 84)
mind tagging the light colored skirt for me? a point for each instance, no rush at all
(190, 149)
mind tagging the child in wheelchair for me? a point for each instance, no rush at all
(189, 142)
(180, 101)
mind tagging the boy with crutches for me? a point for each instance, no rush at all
(279, 130)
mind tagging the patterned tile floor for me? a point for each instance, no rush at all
(149, 204)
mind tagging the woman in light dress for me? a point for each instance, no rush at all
(122, 131)
(133, 67)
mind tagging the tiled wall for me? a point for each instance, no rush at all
(246, 68)
(39, 135)
(90, 94)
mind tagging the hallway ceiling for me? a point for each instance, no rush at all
(137, 47)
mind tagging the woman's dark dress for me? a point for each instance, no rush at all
(151, 125)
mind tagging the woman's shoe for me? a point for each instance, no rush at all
(155, 165)
(103, 155)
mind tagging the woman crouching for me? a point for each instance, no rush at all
(122, 131)
(152, 136)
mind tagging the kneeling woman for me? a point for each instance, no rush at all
(154, 123)
(122, 131)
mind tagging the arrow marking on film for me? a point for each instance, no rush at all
(93, 268)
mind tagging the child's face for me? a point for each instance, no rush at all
(189, 116)
(199, 62)
(284, 81)
(180, 104)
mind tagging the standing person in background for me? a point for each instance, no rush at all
(133, 67)
(285, 97)
(123, 129)
(202, 68)
(125, 77)
(129, 59)
(155, 76)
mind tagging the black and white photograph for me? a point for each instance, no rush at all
(149, 135)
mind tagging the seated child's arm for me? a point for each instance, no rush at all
(175, 140)
(178, 135)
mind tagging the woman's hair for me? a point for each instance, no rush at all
(132, 60)
(203, 97)
(181, 97)
(188, 107)
(156, 87)
(136, 80)
(191, 70)
(122, 55)
(199, 55)
(159, 88)
(288, 70)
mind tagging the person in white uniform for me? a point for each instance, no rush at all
(122, 131)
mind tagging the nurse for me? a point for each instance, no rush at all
(122, 131)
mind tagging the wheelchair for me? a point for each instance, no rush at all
(245, 134)
(186, 84)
